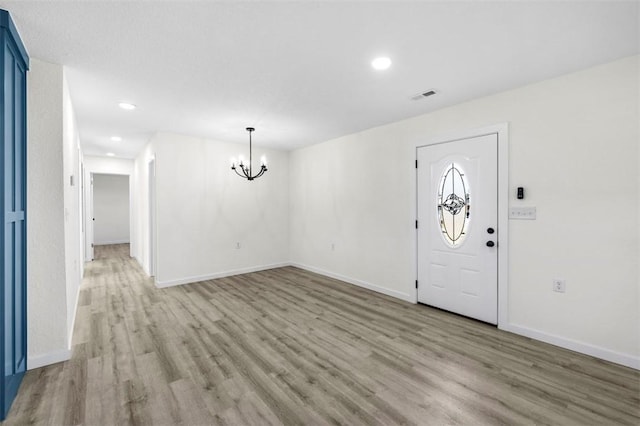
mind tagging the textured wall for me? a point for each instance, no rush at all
(47, 304)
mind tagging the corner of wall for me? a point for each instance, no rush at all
(47, 304)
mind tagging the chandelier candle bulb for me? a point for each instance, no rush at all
(263, 160)
(126, 105)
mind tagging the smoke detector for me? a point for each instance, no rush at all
(423, 95)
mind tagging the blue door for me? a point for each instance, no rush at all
(13, 258)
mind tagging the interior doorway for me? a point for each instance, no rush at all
(110, 218)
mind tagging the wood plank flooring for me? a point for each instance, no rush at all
(286, 346)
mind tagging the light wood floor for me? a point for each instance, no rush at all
(289, 347)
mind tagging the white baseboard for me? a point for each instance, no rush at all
(584, 348)
(73, 320)
(397, 294)
(106, 243)
(142, 265)
(55, 357)
(213, 276)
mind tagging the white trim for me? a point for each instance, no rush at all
(141, 263)
(195, 279)
(48, 359)
(152, 218)
(73, 321)
(503, 223)
(397, 294)
(112, 242)
(502, 131)
(574, 345)
(88, 202)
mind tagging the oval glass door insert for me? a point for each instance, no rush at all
(453, 205)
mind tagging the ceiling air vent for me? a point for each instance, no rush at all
(423, 95)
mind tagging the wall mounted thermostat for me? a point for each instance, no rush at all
(520, 193)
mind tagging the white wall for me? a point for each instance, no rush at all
(110, 209)
(46, 276)
(573, 146)
(54, 222)
(204, 210)
(140, 205)
(72, 208)
(108, 165)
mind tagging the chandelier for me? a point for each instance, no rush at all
(246, 172)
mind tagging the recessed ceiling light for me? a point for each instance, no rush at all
(110, 154)
(126, 105)
(381, 63)
(116, 138)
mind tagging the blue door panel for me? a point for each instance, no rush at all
(19, 161)
(13, 353)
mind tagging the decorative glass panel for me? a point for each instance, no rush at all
(453, 205)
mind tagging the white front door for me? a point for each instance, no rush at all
(457, 226)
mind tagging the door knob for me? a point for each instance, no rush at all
(490, 244)
(490, 231)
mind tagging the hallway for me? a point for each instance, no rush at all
(285, 346)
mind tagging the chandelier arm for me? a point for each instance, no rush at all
(262, 170)
(241, 175)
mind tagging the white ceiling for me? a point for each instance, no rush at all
(300, 71)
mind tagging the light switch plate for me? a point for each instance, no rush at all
(522, 213)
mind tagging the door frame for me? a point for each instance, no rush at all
(151, 169)
(88, 207)
(104, 166)
(502, 132)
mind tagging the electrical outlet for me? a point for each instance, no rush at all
(559, 285)
(237, 246)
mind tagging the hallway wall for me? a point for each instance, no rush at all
(47, 303)
(140, 203)
(72, 208)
